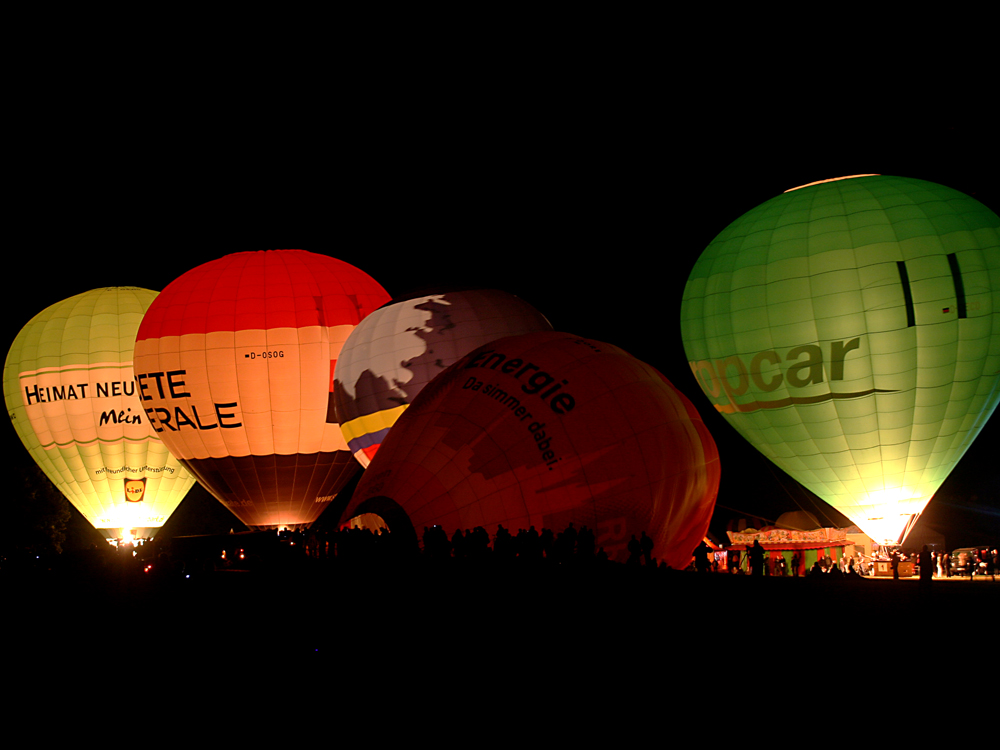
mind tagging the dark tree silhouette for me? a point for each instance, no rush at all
(37, 514)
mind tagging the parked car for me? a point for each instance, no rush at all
(964, 559)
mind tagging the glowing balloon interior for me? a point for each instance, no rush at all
(849, 330)
(542, 430)
(401, 347)
(234, 365)
(70, 391)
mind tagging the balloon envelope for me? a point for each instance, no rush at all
(398, 349)
(234, 365)
(70, 392)
(546, 429)
(849, 330)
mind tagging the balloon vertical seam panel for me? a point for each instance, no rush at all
(922, 224)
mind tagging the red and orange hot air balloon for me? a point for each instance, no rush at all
(545, 429)
(234, 365)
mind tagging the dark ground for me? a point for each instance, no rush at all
(603, 657)
(321, 613)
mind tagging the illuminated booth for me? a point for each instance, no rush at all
(794, 532)
(782, 544)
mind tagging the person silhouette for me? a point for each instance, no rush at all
(702, 558)
(634, 551)
(646, 544)
(756, 558)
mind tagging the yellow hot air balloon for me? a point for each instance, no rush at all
(71, 394)
(850, 330)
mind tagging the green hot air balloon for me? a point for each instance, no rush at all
(71, 393)
(850, 330)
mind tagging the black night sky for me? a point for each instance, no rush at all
(590, 204)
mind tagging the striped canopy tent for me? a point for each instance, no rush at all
(779, 541)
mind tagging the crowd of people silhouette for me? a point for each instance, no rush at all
(469, 546)
(475, 548)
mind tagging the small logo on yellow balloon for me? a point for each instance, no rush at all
(134, 490)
